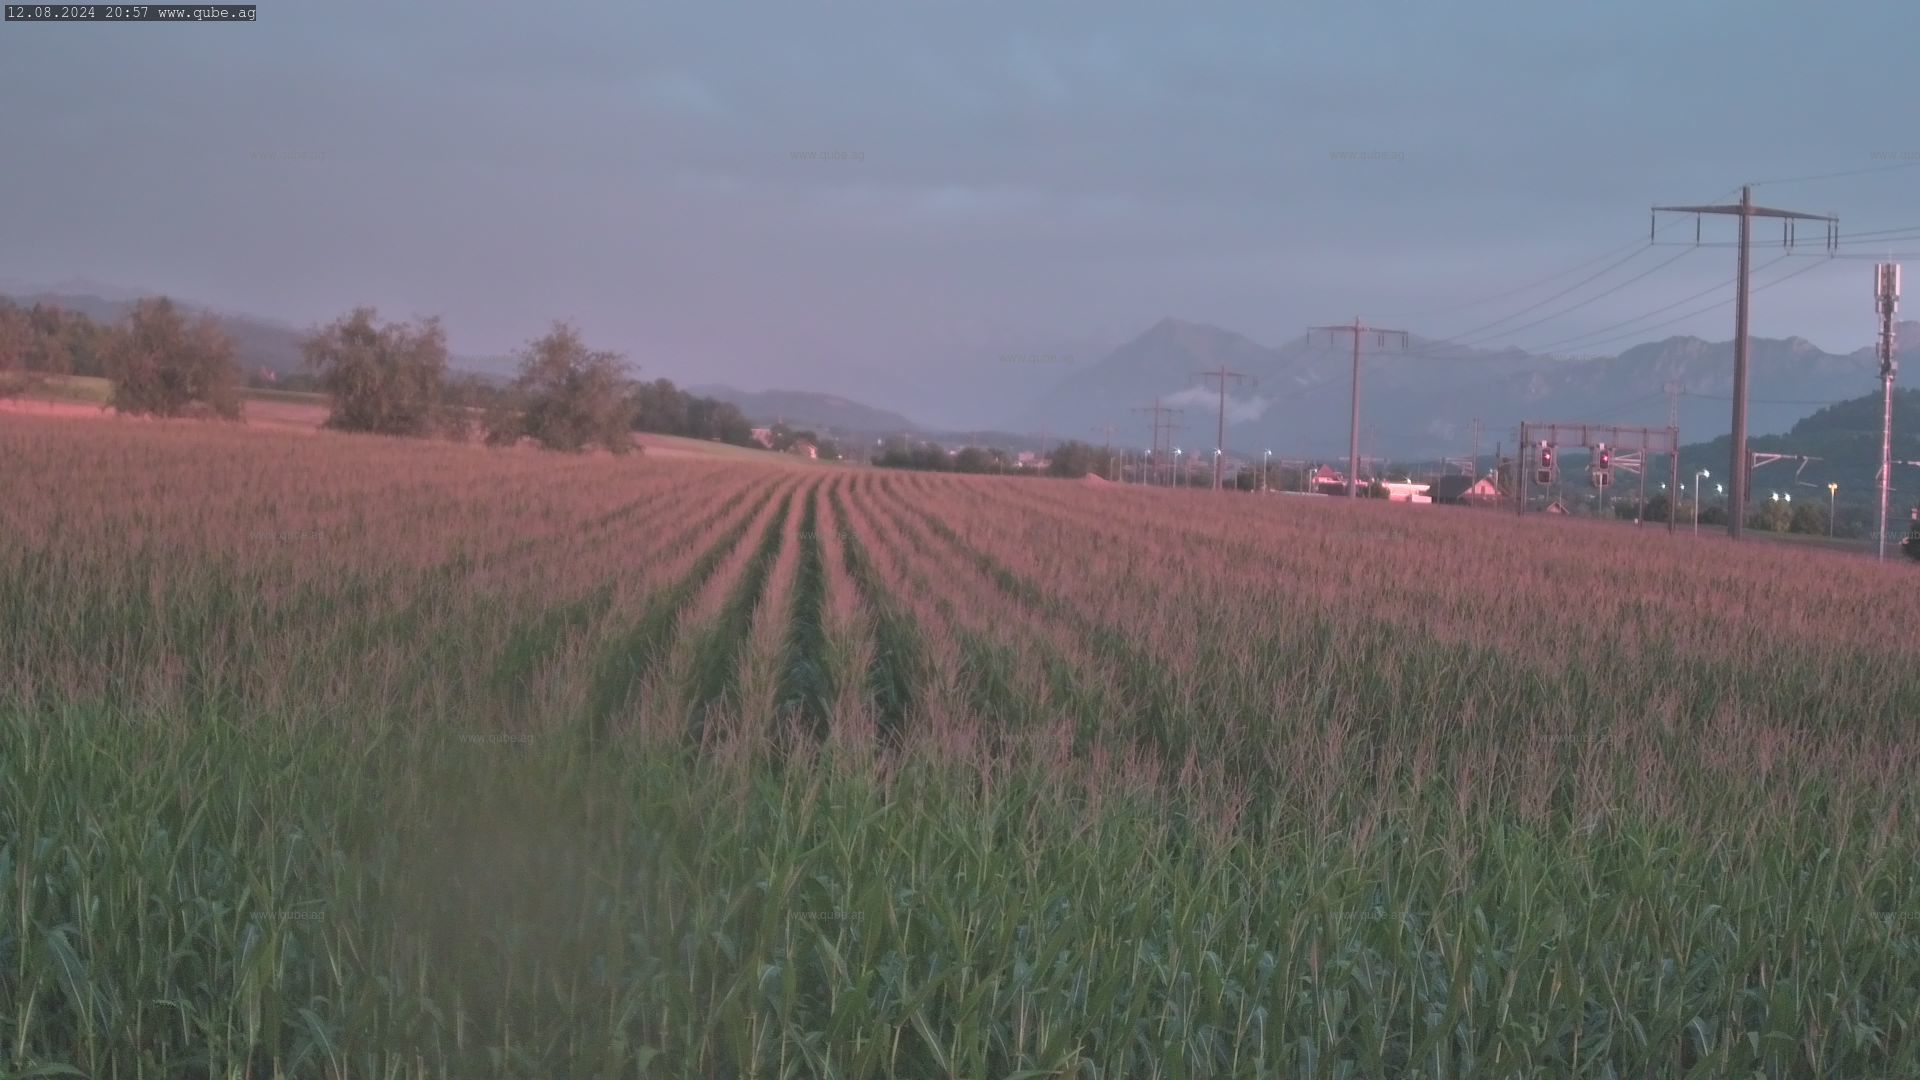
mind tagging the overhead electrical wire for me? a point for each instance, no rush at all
(1834, 175)
(1537, 305)
(1603, 294)
(1528, 287)
(1702, 311)
(1727, 284)
(1538, 282)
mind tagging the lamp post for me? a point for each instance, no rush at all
(1696, 499)
(1833, 489)
(1176, 466)
(1219, 477)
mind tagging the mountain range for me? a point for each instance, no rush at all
(804, 409)
(1418, 399)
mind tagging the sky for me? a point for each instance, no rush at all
(889, 200)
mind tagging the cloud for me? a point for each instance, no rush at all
(1239, 410)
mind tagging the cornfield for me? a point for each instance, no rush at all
(337, 756)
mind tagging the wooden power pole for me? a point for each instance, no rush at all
(1746, 211)
(1353, 432)
(1220, 445)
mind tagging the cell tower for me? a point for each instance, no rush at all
(1886, 295)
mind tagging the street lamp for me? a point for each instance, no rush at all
(1265, 468)
(1833, 489)
(1176, 466)
(1696, 499)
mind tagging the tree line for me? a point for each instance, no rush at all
(1071, 458)
(385, 378)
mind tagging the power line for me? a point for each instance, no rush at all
(1865, 236)
(1537, 305)
(1530, 286)
(1702, 311)
(1881, 256)
(1762, 401)
(1834, 175)
(1603, 294)
(1656, 311)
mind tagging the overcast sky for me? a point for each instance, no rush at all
(1031, 176)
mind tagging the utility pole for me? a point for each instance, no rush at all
(1161, 429)
(1746, 211)
(1108, 448)
(1475, 471)
(1220, 446)
(1353, 432)
(1886, 289)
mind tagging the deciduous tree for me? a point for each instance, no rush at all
(567, 397)
(388, 380)
(161, 364)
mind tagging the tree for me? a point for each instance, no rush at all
(1808, 519)
(387, 380)
(567, 397)
(659, 407)
(1075, 458)
(975, 459)
(14, 337)
(162, 365)
(470, 399)
(1773, 515)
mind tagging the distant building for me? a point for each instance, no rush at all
(763, 436)
(803, 448)
(1465, 491)
(1484, 492)
(1328, 481)
(1406, 491)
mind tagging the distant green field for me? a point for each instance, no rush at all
(291, 397)
(98, 390)
(719, 449)
(71, 388)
